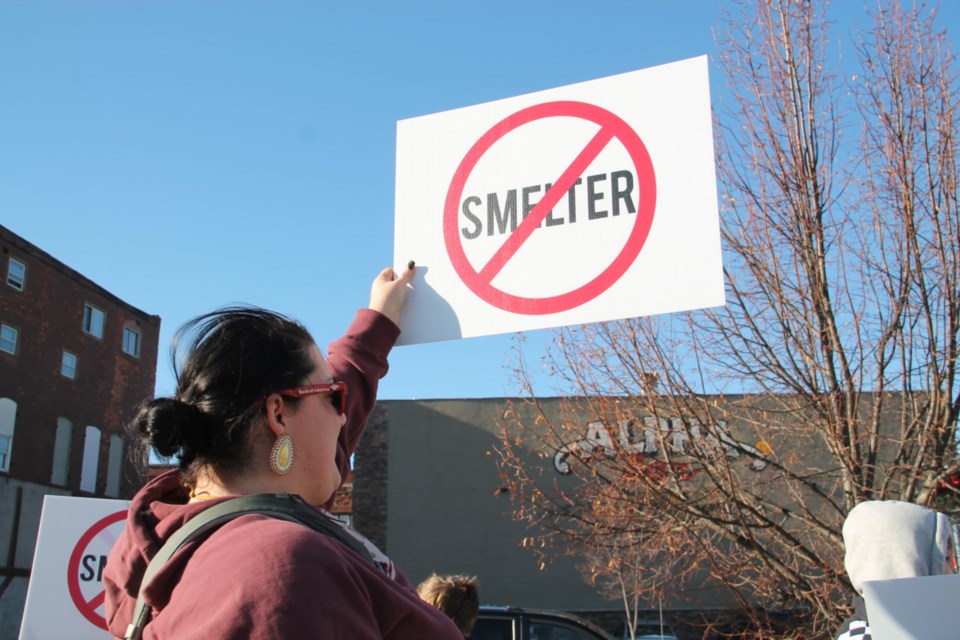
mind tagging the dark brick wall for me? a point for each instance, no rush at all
(370, 477)
(48, 314)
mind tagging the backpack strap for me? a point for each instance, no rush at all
(280, 506)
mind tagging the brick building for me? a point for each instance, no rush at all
(75, 361)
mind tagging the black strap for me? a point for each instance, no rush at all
(280, 506)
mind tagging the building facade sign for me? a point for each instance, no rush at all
(645, 441)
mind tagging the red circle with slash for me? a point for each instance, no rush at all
(88, 607)
(611, 127)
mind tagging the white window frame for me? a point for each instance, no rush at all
(60, 474)
(89, 320)
(71, 371)
(6, 446)
(128, 330)
(91, 459)
(5, 330)
(16, 281)
(114, 466)
(8, 419)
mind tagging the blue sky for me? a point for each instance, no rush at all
(189, 155)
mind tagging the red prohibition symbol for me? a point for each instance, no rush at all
(480, 280)
(88, 608)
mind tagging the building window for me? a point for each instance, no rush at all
(93, 321)
(5, 445)
(16, 274)
(91, 460)
(8, 339)
(61, 453)
(68, 367)
(114, 466)
(8, 418)
(131, 341)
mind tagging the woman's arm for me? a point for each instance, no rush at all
(359, 358)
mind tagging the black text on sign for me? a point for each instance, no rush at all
(605, 194)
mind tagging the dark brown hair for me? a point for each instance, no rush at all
(225, 362)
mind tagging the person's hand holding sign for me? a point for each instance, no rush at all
(389, 291)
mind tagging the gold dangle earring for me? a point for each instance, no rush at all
(281, 455)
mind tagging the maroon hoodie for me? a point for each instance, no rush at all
(257, 577)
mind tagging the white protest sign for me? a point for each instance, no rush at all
(65, 594)
(913, 608)
(590, 202)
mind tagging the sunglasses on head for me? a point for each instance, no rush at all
(337, 391)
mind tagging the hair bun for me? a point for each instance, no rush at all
(170, 426)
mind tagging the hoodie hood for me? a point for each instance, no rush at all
(156, 512)
(889, 539)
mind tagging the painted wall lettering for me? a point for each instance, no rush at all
(644, 440)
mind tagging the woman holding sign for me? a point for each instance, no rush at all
(259, 413)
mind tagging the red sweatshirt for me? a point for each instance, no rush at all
(257, 577)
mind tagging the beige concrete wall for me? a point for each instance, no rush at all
(444, 513)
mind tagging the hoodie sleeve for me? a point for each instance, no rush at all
(359, 358)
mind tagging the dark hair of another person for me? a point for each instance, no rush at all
(456, 596)
(225, 362)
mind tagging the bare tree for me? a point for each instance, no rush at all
(722, 449)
